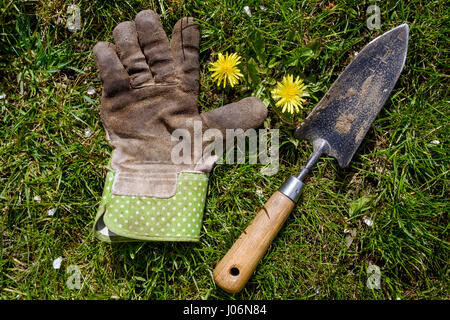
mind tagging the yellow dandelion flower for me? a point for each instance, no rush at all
(290, 93)
(225, 69)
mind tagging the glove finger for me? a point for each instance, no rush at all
(155, 44)
(112, 73)
(130, 53)
(245, 114)
(185, 50)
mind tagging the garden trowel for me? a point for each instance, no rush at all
(336, 127)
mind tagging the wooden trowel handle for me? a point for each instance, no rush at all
(236, 267)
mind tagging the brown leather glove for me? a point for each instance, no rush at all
(150, 88)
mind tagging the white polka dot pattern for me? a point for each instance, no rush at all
(178, 218)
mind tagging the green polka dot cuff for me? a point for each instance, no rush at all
(133, 218)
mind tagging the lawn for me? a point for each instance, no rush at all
(387, 211)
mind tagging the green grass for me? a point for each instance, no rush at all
(398, 178)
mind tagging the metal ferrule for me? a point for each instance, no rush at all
(292, 188)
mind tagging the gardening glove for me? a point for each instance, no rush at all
(150, 88)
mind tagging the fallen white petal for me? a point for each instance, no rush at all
(262, 8)
(368, 221)
(91, 91)
(435, 142)
(37, 198)
(247, 11)
(88, 132)
(2, 96)
(51, 211)
(259, 192)
(57, 263)
(351, 231)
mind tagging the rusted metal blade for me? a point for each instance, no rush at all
(346, 112)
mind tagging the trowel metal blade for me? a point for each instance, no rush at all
(346, 112)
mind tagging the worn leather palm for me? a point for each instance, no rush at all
(150, 88)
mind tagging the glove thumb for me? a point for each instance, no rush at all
(245, 114)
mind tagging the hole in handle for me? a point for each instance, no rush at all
(234, 271)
